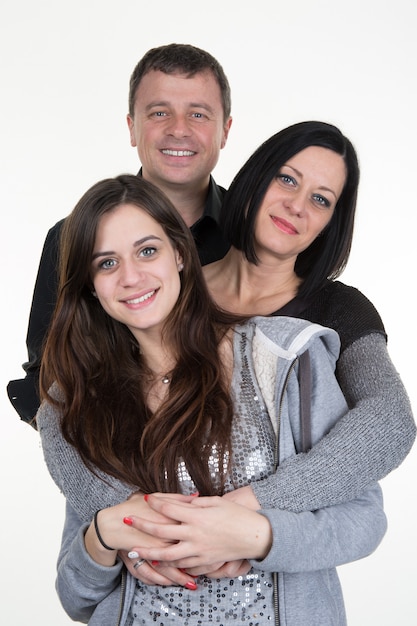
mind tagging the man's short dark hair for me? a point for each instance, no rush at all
(184, 59)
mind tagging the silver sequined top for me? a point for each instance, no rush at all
(246, 599)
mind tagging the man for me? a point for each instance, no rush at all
(179, 120)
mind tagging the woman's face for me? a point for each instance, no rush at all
(135, 269)
(299, 203)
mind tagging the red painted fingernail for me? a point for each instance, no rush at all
(191, 586)
(154, 562)
(197, 493)
(145, 497)
(128, 521)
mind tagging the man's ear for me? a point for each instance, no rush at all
(226, 129)
(131, 125)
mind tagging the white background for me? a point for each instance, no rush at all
(65, 68)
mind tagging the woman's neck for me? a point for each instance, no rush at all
(160, 364)
(242, 287)
(157, 356)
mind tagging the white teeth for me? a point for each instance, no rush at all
(141, 299)
(179, 153)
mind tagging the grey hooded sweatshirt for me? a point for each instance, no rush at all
(297, 582)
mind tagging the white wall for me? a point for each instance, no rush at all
(65, 68)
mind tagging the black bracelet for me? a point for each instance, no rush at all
(99, 537)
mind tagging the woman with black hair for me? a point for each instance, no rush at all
(289, 215)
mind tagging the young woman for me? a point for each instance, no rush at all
(146, 384)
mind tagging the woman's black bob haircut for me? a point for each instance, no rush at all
(327, 256)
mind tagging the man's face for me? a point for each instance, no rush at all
(178, 128)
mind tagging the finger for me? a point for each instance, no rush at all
(170, 533)
(231, 569)
(171, 556)
(139, 507)
(179, 557)
(174, 497)
(154, 573)
(148, 575)
(173, 508)
(176, 575)
(206, 570)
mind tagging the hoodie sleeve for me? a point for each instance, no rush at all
(370, 440)
(86, 492)
(327, 538)
(82, 583)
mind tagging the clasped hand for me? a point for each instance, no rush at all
(181, 537)
(205, 533)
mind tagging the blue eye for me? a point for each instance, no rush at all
(286, 179)
(321, 200)
(148, 251)
(107, 264)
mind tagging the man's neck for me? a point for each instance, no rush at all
(190, 204)
(188, 200)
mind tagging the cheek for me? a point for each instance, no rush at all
(174, 283)
(325, 222)
(319, 221)
(101, 289)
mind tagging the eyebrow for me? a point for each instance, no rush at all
(136, 244)
(321, 187)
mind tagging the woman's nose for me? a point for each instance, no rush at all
(297, 203)
(130, 273)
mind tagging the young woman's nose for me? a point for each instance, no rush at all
(130, 273)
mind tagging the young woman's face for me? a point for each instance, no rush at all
(135, 269)
(299, 203)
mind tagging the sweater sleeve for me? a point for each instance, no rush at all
(367, 443)
(81, 582)
(333, 536)
(87, 492)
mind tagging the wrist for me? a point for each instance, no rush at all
(264, 538)
(97, 547)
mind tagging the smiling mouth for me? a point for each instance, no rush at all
(143, 298)
(178, 153)
(285, 226)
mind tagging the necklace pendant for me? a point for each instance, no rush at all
(165, 380)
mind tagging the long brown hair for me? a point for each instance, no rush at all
(96, 365)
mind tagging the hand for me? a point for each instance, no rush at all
(117, 531)
(207, 531)
(245, 497)
(157, 574)
(231, 569)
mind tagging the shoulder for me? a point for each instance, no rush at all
(345, 309)
(55, 231)
(51, 243)
(214, 200)
(289, 337)
(218, 190)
